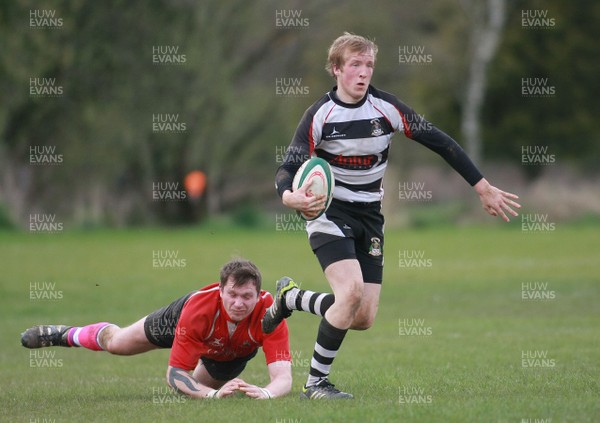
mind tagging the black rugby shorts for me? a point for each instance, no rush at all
(350, 231)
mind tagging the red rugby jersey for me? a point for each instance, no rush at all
(202, 332)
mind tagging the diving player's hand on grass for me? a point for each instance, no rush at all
(254, 391)
(495, 201)
(229, 388)
(303, 201)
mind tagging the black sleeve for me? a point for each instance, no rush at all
(299, 151)
(417, 128)
(445, 146)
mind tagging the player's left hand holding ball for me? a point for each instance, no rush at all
(303, 201)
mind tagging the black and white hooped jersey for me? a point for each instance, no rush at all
(355, 139)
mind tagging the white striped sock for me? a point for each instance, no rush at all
(318, 304)
(306, 300)
(290, 298)
(76, 337)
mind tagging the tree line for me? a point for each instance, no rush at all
(106, 107)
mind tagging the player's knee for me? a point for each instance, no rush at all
(353, 296)
(112, 347)
(364, 318)
(362, 322)
(113, 343)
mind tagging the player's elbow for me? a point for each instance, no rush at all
(169, 377)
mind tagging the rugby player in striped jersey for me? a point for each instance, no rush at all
(351, 127)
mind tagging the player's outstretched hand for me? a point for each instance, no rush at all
(303, 201)
(496, 201)
(254, 391)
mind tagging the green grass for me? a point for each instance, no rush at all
(467, 369)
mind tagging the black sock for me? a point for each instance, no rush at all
(329, 340)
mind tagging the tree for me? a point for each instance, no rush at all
(543, 86)
(487, 22)
(113, 89)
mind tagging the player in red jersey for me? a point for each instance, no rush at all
(212, 333)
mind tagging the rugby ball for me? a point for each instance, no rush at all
(322, 182)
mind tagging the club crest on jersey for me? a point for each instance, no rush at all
(375, 248)
(376, 129)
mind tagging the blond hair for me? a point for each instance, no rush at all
(348, 42)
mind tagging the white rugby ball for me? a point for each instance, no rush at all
(322, 182)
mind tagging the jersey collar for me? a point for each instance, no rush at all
(334, 97)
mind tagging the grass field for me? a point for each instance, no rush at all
(476, 324)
